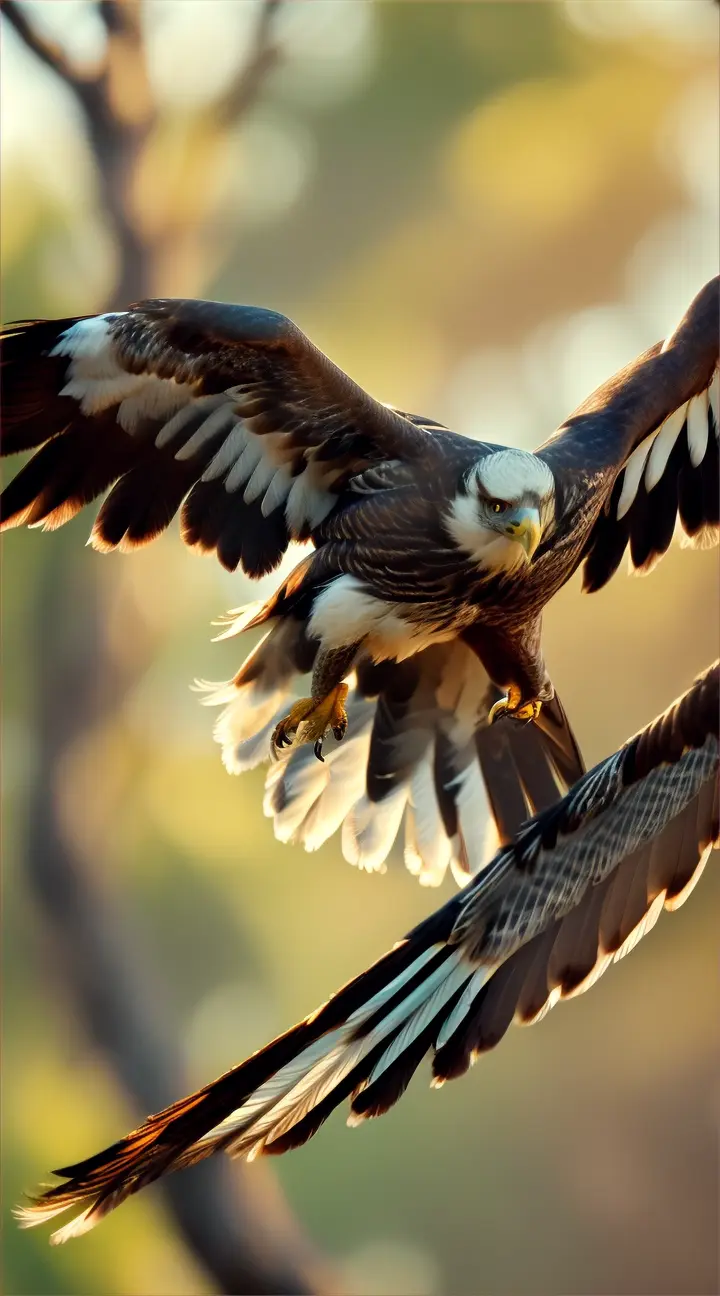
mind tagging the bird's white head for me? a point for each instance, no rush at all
(504, 507)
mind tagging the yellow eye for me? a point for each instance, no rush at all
(497, 506)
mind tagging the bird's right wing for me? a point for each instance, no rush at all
(575, 890)
(229, 411)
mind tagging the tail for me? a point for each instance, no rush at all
(418, 752)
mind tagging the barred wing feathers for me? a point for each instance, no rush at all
(229, 411)
(575, 890)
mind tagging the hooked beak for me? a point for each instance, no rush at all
(523, 525)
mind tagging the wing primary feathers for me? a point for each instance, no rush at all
(674, 472)
(631, 836)
(231, 406)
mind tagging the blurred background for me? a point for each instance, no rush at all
(480, 211)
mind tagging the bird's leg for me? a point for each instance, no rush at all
(311, 718)
(513, 705)
(512, 657)
(519, 707)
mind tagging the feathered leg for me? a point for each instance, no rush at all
(311, 718)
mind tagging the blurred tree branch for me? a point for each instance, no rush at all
(118, 118)
(233, 1220)
(264, 55)
(46, 50)
(237, 1227)
(123, 123)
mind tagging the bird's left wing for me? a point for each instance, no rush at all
(575, 890)
(229, 411)
(648, 443)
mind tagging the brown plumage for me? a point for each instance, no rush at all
(433, 557)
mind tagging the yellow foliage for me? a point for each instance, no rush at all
(540, 153)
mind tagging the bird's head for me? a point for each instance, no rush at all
(505, 505)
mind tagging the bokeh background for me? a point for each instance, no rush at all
(480, 211)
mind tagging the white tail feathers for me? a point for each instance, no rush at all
(475, 819)
(258, 696)
(428, 849)
(371, 827)
(244, 728)
(310, 800)
(238, 620)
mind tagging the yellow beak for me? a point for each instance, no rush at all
(523, 525)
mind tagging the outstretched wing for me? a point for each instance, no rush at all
(649, 440)
(628, 831)
(631, 837)
(229, 411)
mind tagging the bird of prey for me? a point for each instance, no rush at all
(574, 891)
(419, 609)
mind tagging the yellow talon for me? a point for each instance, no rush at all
(512, 705)
(310, 719)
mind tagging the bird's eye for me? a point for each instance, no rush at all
(497, 506)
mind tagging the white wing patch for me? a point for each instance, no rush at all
(308, 497)
(632, 476)
(253, 465)
(217, 414)
(697, 428)
(90, 339)
(97, 381)
(663, 443)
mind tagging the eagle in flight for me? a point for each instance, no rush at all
(418, 610)
(574, 891)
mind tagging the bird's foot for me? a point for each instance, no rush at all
(310, 719)
(513, 705)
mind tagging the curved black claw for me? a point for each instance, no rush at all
(317, 748)
(512, 705)
(499, 709)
